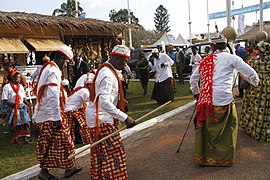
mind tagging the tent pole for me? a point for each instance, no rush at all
(208, 24)
(261, 15)
(129, 22)
(229, 13)
(189, 22)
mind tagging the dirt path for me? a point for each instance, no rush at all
(151, 155)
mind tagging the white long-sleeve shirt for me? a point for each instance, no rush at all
(163, 73)
(195, 61)
(76, 100)
(106, 87)
(9, 94)
(50, 104)
(223, 77)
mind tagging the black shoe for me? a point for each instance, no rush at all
(239, 96)
(45, 175)
(26, 140)
(72, 171)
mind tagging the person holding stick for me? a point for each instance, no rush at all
(107, 103)
(216, 120)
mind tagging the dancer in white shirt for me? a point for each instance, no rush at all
(75, 111)
(54, 143)
(163, 90)
(13, 99)
(216, 120)
(108, 159)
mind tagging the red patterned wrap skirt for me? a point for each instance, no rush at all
(107, 159)
(54, 146)
(84, 130)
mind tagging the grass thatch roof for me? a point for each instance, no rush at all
(28, 20)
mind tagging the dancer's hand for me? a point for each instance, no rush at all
(196, 96)
(130, 122)
(58, 125)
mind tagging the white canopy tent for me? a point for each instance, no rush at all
(167, 41)
(181, 40)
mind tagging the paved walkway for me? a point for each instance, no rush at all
(151, 153)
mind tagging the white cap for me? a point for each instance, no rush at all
(155, 50)
(66, 51)
(83, 79)
(65, 82)
(89, 78)
(121, 50)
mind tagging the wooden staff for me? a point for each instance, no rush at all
(88, 146)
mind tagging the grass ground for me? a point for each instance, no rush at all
(14, 158)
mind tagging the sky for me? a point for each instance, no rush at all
(144, 10)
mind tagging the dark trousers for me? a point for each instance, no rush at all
(163, 91)
(180, 73)
(241, 90)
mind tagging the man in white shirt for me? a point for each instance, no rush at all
(194, 59)
(216, 120)
(54, 143)
(163, 91)
(75, 111)
(107, 103)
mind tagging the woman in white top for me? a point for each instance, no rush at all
(13, 98)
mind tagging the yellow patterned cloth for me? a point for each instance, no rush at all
(255, 116)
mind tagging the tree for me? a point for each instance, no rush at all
(161, 19)
(68, 9)
(122, 16)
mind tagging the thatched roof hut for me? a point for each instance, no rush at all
(46, 33)
(250, 35)
(31, 24)
(91, 39)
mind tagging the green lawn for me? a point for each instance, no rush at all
(139, 105)
(14, 158)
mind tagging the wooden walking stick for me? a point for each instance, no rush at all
(86, 147)
(191, 118)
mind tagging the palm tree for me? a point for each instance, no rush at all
(68, 9)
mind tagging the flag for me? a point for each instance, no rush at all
(82, 16)
(241, 26)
